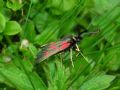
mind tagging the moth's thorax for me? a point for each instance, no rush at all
(71, 38)
(76, 38)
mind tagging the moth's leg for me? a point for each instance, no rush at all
(79, 52)
(85, 58)
(71, 58)
(77, 48)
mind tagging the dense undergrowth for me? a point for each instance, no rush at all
(27, 25)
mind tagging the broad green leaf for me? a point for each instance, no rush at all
(98, 83)
(59, 6)
(111, 60)
(2, 22)
(14, 4)
(35, 1)
(67, 5)
(11, 75)
(41, 20)
(101, 6)
(12, 78)
(12, 28)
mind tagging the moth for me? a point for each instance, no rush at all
(53, 48)
(66, 42)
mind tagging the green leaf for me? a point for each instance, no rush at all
(98, 83)
(2, 22)
(8, 77)
(67, 5)
(1, 5)
(40, 20)
(33, 50)
(111, 59)
(11, 75)
(14, 5)
(50, 33)
(60, 6)
(29, 32)
(106, 5)
(12, 28)
(35, 1)
(60, 76)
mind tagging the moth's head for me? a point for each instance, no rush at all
(76, 38)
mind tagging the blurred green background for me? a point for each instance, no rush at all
(26, 25)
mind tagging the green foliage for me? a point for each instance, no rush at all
(60, 6)
(14, 4)
(97, 83)
(2, 22)
(12, 28)
(27, 25)
(7, 76)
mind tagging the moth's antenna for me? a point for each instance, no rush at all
(89, 33)
(82, 31)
